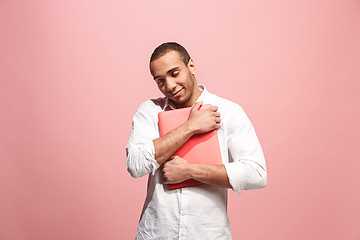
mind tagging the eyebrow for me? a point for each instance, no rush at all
(174, 68)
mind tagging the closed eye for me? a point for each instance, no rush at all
(159, 80)
(175, 73)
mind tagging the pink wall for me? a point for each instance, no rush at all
(72, 74)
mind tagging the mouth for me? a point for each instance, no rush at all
(177, 93)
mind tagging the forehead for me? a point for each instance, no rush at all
(166, 62)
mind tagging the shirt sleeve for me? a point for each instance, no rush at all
(140, 149)
(246, 168)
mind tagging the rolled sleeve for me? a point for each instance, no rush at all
(140, 148)
(141, 159)
(246, 168)
(244, 176)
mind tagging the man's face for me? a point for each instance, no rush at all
(175, 79)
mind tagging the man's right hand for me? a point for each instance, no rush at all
(203, 120)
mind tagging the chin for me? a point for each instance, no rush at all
(182, 103)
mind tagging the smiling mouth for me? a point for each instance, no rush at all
(176, 94)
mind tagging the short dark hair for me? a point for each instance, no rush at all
(170, 46)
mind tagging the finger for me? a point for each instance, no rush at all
(216, 114)
(197, 105)
(218, 126)
(214, 108)
(218, 120)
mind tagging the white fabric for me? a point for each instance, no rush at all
(198, 212)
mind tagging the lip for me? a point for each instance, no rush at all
(176, 94)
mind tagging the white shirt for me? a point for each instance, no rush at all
(197, 212)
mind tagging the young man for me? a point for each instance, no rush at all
(197, 212)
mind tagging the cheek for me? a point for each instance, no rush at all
(162, 89)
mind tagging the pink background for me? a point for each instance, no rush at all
(73, 72)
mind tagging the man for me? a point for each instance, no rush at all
(197, 212)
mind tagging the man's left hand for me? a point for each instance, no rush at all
(175, 170)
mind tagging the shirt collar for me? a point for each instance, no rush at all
(168, 105)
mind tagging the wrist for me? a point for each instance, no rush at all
(192, 169)
(190, 129)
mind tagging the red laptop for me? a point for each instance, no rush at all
(200, 148)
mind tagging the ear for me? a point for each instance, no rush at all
(191, 66)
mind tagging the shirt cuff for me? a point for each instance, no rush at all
(149, 153)
(234, 171)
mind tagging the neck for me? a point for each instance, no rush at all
(196, 94)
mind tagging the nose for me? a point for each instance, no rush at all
(170, 85)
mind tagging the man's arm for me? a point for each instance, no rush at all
(145, 155)
(200, 121)
(178, 169)
(247, 170)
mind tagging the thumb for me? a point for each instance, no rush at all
(198, 105)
